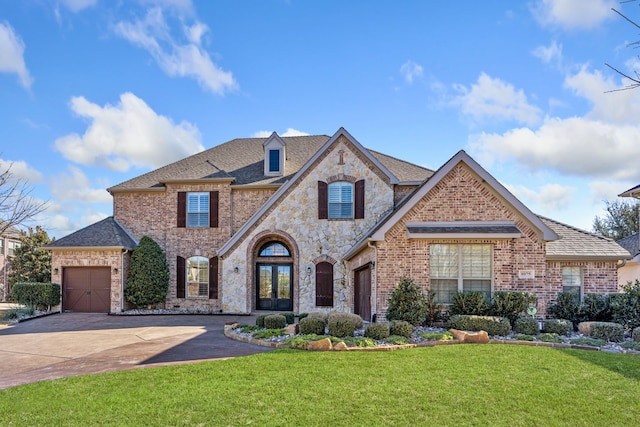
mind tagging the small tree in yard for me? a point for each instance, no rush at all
(407, 302)
(31, 262)
(148, 278)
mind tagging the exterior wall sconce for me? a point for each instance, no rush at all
(308, 270)
(56, 271)
(115, 270)
(236, 269)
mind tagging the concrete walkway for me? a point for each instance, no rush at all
(70, 344)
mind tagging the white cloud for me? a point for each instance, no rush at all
(549, 54)
(76, 186)
(12, 55)
(410, 70)
(550, 197)
(174, 58)
(127, 134)
(20, 170)
(76, 6)
(495, 99)
(574, 14)
(288, 132)
(608, 190)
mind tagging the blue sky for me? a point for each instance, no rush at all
(95, 92)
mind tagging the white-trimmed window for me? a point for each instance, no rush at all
(572, 280)
(460, 268)
(274, 161)
(341, 199)
(11, 247)
(197, 277)
(197, 210)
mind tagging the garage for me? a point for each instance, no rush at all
(86, 289)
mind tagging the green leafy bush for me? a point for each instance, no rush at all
(301, 341)
(433, 309)
(16, 313)
(407, 302)
(249, 328)
(437, 336)
(625, 307)
(260, 320)
(635, 334)
(607, 331)
(631, 345)
(397, 340)
(492, 325)
(469, 303)
(526, 325)
(290, 317)
(511, 304)
(567, 306)
(42, 296)
(523, 337)
(268, 333)
(588, 341)
(302, 316)
(148, 278)
(558, 326)
(357, 320)
(377, 331)
(402, 328)
(319, 315)
(312, 325)
(341, 325)
(549, 337)
(359, 342)
(275, 321)
(596, 307)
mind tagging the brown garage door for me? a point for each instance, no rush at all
(86, 289)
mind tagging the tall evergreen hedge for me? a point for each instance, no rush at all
(148, 279)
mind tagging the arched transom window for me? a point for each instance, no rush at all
(274, 249)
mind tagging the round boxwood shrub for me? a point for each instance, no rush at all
(357, 320)
(312, 325)
(260, 320)
(377, 331)
(635, 335)
(319, 314)
(341, 325)
(558, 326)
(401, 328)
(526, 326)
(275, 321)
(607, 331)
(290, 317)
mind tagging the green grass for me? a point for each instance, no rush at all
(497, 385)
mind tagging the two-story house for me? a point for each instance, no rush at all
(318, 223)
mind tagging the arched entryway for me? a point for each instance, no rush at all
(274, 277)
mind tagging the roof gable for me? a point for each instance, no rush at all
(108, 233)
(632, 192)
(461, 157)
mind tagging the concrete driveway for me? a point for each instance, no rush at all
(70, 344)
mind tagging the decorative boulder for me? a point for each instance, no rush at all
(292, 329)
(341, 346)
(480, 337)
(320, 345)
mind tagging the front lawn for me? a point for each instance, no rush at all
(446, 385)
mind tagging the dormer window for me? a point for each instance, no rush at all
(274, 156)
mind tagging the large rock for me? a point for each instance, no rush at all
(341, 346)
(480, 337)
(292, 329)
(320, 345)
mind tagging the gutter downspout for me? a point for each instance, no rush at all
(122, 279)
(374, 291)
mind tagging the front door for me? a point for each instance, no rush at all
(362, 293)
(274, 286)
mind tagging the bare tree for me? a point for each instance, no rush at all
(16, 204)
(635, 79)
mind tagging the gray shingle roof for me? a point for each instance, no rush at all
(9, 230)
(105, 233)
(242, 160)
(631, 243)
(579, 244)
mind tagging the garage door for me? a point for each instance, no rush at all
(86, 289)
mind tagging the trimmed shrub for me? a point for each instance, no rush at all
(567, 306)
(407, 302)
(377, 331)
(511, 304)
(625, 307)
(402, 328)
(596, 308)
(526, 326)
(635, 335)
(148, 278)
(468, 303)
(319, 315)
(357, 320)
(492, 325)
(607, 331)
(558, 326)
(290, 317)
(312, 325)
(275, 321)
(341, 325)
(260, 320)
(549, 337)
(42, 296)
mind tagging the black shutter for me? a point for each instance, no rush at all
(181, 275)
(323, 200)
(213, 278)
(182, 209)
(324, 284)
(359, 199)
(213, 209)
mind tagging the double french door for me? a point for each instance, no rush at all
(274, 287)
